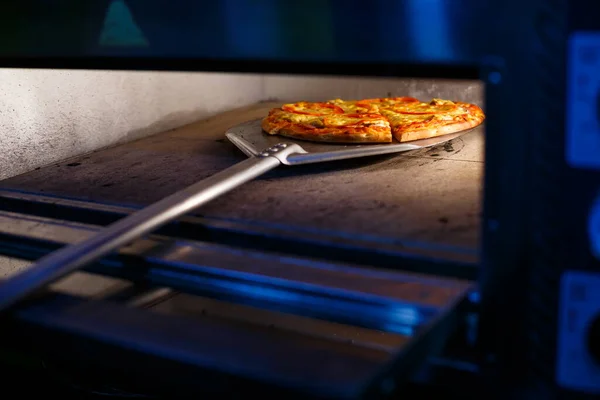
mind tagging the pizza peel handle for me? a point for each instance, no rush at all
(142, 222)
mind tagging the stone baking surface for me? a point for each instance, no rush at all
(431, 196)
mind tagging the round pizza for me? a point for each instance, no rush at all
(371, 120)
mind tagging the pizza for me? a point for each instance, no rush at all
(377, 120)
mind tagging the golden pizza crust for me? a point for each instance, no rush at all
(268, 125)
(337, 136)
(408, 135)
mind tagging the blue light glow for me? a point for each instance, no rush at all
(429, 28)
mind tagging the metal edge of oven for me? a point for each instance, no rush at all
(280, 284)
(390, 253)
(176, 355)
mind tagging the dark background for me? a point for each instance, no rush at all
(409, 31)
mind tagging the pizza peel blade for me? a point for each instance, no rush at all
(252, 141)
(265, 152)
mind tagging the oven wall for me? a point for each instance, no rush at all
(52, 115)
(314, 88)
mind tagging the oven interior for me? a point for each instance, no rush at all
(370, 264)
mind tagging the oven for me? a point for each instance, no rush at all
(467, 268)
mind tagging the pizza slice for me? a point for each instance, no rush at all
(419, 120)
(328, 122)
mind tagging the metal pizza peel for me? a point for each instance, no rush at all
(250, 139)
(265, 152)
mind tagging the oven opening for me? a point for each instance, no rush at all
(363, 254)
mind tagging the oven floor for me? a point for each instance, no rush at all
(431, 196)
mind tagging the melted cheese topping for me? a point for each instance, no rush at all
(300, 118)
(344, 120)
(355, 106)
(397, 118)
(351, 116)
(304, 107)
